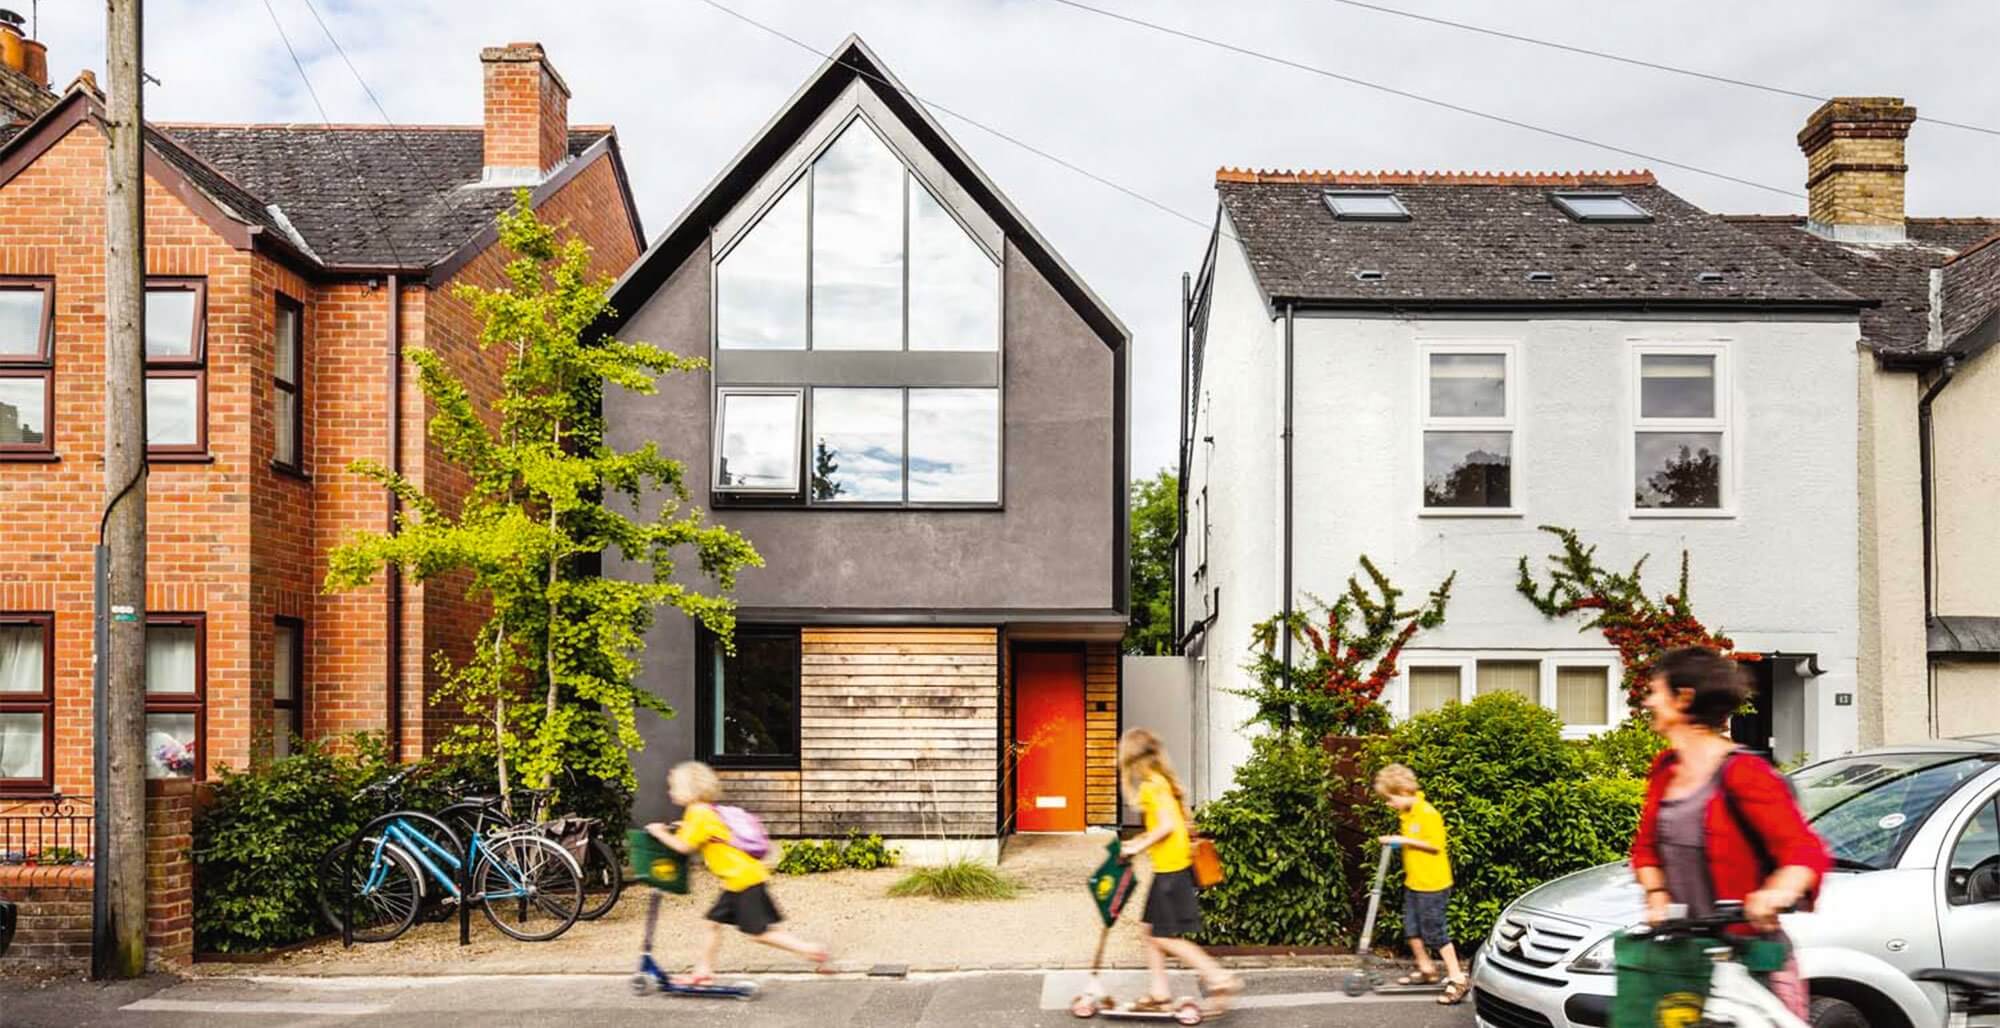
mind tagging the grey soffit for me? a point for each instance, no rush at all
(852, 60)
(1897, 276)
(1472, 244)
(856, 368)
(358, 196)
(1965, 635)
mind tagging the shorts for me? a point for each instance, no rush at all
(1423, 917)
(1172, 908)
(751, 910)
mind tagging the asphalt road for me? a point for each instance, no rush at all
(1002, 1000)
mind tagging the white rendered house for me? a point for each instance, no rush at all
(1470, 356)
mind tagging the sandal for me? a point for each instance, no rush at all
(1223, 988)
(1455, 992)
(692, 981)
(1151, 1005)
(1416, 978)
(822, 962)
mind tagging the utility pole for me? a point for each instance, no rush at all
(118, 934)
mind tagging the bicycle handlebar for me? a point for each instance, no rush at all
(1727, 914)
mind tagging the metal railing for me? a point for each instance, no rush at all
(50, 830)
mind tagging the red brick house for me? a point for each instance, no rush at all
(288, 265)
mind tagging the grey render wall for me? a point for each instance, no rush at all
(1051, 547)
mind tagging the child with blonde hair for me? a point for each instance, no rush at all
(745, 901)
(1426, 880)
(1173, 908)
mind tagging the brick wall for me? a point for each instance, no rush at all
(1855, 160)
(54, 929)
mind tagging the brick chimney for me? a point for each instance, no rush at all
(527, 115)
(1854, 167)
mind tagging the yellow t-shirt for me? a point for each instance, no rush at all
(1425, 872)
(704, 829)
(1156, 799)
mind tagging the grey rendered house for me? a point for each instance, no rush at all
(916, 411)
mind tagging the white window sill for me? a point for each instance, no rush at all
(1699, 513)
(1470, 512)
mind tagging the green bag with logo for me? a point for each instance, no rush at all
(1111, 884)
(656, 863)
(1663, 983)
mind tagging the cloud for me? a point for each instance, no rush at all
(687, 86)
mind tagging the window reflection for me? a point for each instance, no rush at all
(760, 286)
(170, 323)
(1678, 469)
(954, 446)
(1468, 469)
(857, 244)
(1468, 385)
(23, 410)
(954, 285)
(759, 448)
(173, 411)
(1676, 386)
(857, 446)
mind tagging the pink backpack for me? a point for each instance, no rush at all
(746, 833)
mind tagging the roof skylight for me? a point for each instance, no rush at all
(1600, 207)
(1366, 205)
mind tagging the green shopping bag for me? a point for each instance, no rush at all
(1663, 983)
(1111, 884)
(655, 863)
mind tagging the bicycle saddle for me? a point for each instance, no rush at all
(1971, 981)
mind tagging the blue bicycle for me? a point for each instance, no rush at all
(527, 884)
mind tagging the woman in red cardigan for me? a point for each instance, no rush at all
(1720, 824)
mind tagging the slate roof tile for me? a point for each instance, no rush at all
(1970, 291)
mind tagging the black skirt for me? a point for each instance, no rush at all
(1172, 908)
(751, 910)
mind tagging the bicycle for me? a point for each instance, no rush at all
(516, 877)
(603, 874)
(1732, 995)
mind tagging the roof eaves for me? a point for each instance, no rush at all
(1555, 179)
(1603, 303)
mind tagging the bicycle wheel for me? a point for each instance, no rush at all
(381, 912)
(603, 880)
(529, 887)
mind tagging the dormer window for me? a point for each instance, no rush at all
(1366, 205)
(1600, 207)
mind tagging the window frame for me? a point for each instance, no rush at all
(40, 364)
(1988, 801)
(1332, 196)
(811, 443)
(1561, 199)
(706, 712)
(43, 703)
(193, 366)
(1466, 663)
(1510, 422)
(297, 704)
(297, 465)
(195, 703)
(801, 400)
(1722, 423)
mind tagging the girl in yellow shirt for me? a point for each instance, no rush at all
(1173, 909)
(745, 902)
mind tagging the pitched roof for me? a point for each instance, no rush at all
(1970, 290)
(850, 61)
(362, 195)
(1473, 238)
(1896, 274)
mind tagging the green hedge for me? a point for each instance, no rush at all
(1285, 868)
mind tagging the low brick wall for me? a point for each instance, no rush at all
(55, 902)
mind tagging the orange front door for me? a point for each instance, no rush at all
(1048, 727)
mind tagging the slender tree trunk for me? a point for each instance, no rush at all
(120, 943)
(548, 610)
(500, 721)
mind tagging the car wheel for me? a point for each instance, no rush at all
(1827, 1012)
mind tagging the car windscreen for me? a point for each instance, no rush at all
(1868, 806)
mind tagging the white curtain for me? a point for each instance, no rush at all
(21, 659)
(170, 659)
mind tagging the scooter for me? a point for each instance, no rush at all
(1111, 886)
(666, 871)
(1366, 978)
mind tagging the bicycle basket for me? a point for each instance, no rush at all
(656, 864)
(572, 833)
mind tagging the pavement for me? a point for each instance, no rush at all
(1273, 999)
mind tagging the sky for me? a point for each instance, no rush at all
(688, 85)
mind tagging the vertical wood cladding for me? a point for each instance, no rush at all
(1100, 718)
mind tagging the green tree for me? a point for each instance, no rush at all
(1155, 516)
(551, 683)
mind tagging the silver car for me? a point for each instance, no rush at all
(1915, 834)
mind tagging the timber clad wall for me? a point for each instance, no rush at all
(899, 731)
(1100, 720)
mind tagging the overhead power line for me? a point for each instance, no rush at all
(1633, 61)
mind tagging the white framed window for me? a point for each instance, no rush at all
(757, 440)
(1682, 457)
(1468, 397)
(1581, 687)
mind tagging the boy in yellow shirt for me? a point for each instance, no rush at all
(1426, 880)
(745, 901)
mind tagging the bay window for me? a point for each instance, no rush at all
(1468, 428)
(27, 702)
(1680, 436)
(27, 367)
(176, 368)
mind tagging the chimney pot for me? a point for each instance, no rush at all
(527, 115)
(19, 54)
(1855, 167)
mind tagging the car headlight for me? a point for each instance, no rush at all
(1597, 959)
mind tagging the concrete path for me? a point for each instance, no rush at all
(1275, 999)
